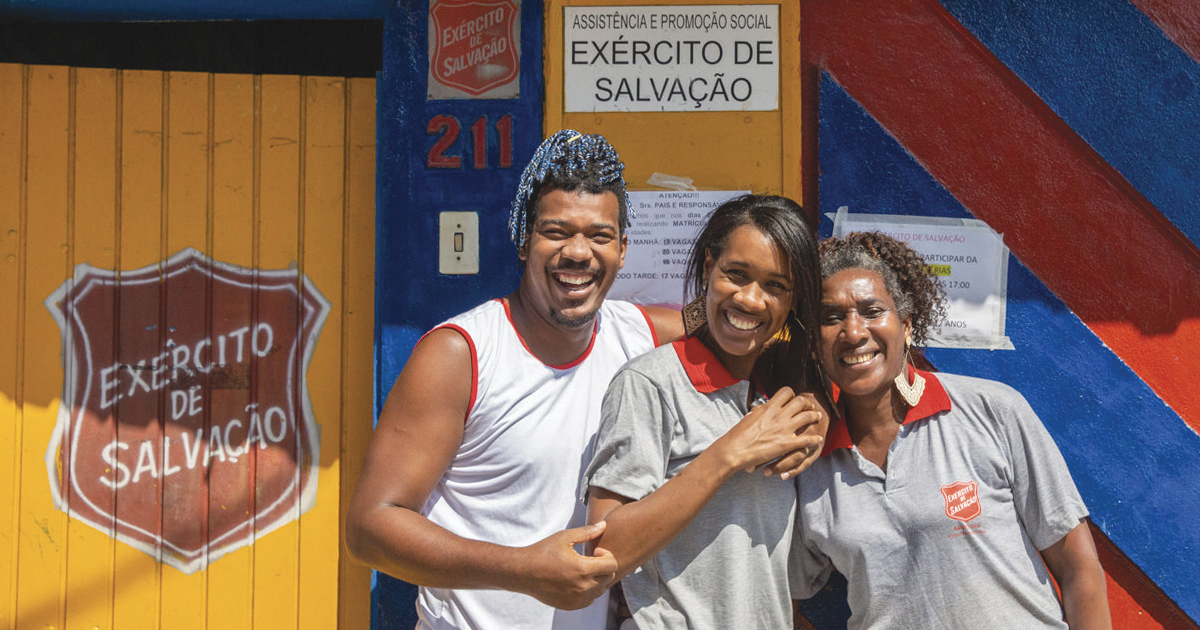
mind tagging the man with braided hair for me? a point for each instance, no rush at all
(469, 485)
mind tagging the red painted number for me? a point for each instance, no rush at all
(504, 130)
(448, 127)
(479, 134)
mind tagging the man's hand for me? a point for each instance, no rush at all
(560, 576)
(775, 433)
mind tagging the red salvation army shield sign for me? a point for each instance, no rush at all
(473, 45)
(962, 500)
(185, 428)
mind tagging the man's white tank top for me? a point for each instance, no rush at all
(529, 434)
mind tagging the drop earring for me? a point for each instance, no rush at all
(694, 314)
(911, 393)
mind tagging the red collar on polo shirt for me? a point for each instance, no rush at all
(703, 368)
(933, 400)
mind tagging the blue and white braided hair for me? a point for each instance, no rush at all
(572, 162)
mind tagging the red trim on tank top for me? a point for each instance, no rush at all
(474, 363)
(650, 323)
(582, 357)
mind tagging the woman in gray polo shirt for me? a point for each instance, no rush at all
(941, 498)
(704, 544)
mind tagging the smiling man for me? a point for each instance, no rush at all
(469, 485)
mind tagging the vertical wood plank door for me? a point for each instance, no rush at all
(186, 304)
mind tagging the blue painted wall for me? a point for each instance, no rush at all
(133, 10)
(411, 296)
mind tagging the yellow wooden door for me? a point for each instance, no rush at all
(112, 171)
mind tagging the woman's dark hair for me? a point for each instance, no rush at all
(915, 290)
(791, 360)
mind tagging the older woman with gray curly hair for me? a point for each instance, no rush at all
(941, 498)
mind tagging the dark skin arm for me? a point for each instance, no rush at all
(639, 529)
(420, 429)
(668, 323)
(1076, 567)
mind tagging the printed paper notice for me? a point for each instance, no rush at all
(676, 58)
(660, 240)
(972, 262)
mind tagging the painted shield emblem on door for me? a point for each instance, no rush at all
(185, 428)
(962, 500)
(473, 46)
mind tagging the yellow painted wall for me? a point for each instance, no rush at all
(755, 151)
(121, 169)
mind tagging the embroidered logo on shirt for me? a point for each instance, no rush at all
(962, 500)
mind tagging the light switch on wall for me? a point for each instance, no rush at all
(458, 242)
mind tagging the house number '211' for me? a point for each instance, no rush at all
(447, 128)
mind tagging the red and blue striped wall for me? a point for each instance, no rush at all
(1070, 126)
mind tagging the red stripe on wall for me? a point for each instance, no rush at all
(1179, 20)
(1065, 213)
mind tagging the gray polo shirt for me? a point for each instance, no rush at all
(728, 568)
(949, 536)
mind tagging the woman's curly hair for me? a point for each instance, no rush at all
(918, 294)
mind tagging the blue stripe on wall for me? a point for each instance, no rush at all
(136, 10)
(1132, 457)
(1115, 79)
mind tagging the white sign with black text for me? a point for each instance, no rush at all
(671, 58)
(660, 240)
(971, 260)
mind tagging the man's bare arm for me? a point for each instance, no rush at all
(420, 429)
(668, 323)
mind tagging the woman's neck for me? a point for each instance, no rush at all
(739, 367)
(869, 414)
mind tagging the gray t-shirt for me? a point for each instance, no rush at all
(728, 568)
(949, 536)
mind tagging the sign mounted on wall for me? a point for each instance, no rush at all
(671, 58)
(185, 428)
(474, 49)
(971, 260)
(660, 241)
